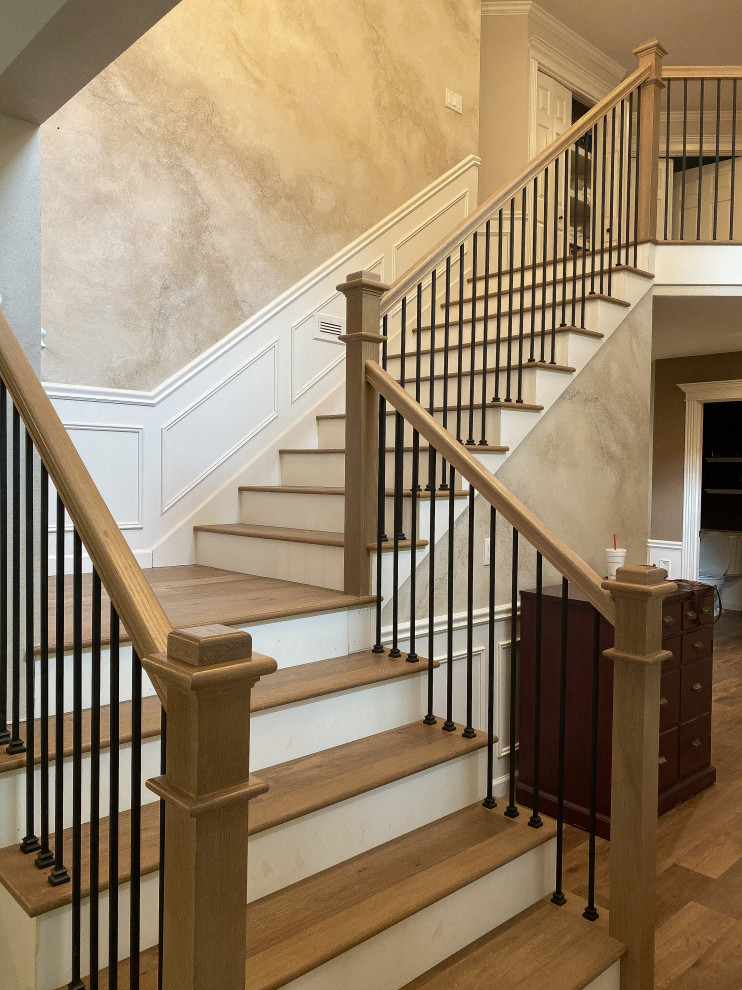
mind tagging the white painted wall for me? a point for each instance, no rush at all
(168, 459)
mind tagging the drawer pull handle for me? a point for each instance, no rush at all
(696, 744)
(691, 615)
(662, 761)
(706, 611)
(668, 620)
(698, 645)
(697, 688)
(663, 702)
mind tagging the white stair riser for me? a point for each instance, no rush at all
(609, 980)
(306, 563)
(399, 954)
(561, 356)
(331, 432)
(13, 790)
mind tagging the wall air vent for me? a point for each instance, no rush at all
(328, 327)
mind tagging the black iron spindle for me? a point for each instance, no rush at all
(378, 646)
(734, 157)
(45, 858)
(636, 178)
(612, 190)
(460, 355)
(498, 332)
(30, 843)
(684, 160)
(446, 346)
(473, 338)
(4, 521)
(412, 656)
(398, 534)
(508, 396)
(590, 911)
(430, 718)
(700, 163)
(555, 262)
(593, 210)
(113, 800)
(449, 725)
(558, 897)
(544, 267)
(161, 877)
(512, 809)
(565, 238)
(485, 334)
(469, 732)
(16, 743)
(575, 216)
(534, 271)
(76, 982)
(667, 160)
(716, 158)
(522, 309)
(535, 821)
(136, 821)
(603, 182)
(95, 695)
(619, 208)
(430, 486)
(59, 873)
(585, 221)
(489, 801)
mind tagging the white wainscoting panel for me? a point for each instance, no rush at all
(114, 457)
(667, 554)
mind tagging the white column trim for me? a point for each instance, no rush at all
(696, 394)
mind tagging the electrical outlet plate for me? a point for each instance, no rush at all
(454, 101)
(487, 553)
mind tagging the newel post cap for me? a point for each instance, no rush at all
(363, 281)
(640, 580)
(204, 646)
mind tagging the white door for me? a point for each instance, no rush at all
(706, 175)
(553, 118)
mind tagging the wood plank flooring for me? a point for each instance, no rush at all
(699, 851)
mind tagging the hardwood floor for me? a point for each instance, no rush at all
(699, 851)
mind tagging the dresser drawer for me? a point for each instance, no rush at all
(668, 766)
(694, 747)
(697, 645)
(675, 646)
(670, 699)
(698, 612)
(695, 689)
(671, 619)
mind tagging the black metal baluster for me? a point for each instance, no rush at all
(535, 820)
(558, 896)
(95, 781)
(555, 264)
(398, 535)
(667, 161)
(593, 210)
(45, 858)
(604, 145)
(446, 345)
(496, 397)
(700, 163)
(619, 214)
(485, 335)
(734, 156)
(565, 241)
(113, 802)
(716, 157)
(684, 157)
(412, 656)
(508, 397)
(30, 842)
(489, 801)
(575, 211)
(469, 732)
(473, 337)
(612, 188)
(522, 311)
(545, 254)
(161, 878)
(430, 718)
(629, 144)
(449, 725)
(16, 743)
(59, 873)
(512, 809)
(590, 911)
(4, 730)
(381, 502)
(430, 486)
(636, 180)
(586, 169)
(136, 821)
(76, 983)
(534, 270)
(460, 356)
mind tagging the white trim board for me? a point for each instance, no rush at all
(696, 394)
(667, 554)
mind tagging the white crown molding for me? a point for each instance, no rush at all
(208, 357)
(713, 391)
(665, 544)
(547, 22)
(575, 75)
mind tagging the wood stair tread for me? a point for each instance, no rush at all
(581, 331)
(297, 788)
(309, 490)
(315, 537)
(589, 254)
(549, 284)
(296, 929)
(564, 369)
(543, 939)
(490, 448)
(527, 308)
(197, 595)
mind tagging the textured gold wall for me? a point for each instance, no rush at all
(234, 148)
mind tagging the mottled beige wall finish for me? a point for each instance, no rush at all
(233, 149)
(668, 449)
(584, 470)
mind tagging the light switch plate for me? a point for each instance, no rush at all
(454, 101)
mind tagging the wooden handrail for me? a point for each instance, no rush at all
(413, 275)
(566, 561)
(122, 577)
(702, 71)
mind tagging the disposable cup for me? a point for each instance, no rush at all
(614, 559)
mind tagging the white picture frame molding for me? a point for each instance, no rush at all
(696, 394)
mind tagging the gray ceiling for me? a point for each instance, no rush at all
(709, 33)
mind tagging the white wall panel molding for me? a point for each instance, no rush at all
(220, 421)
(116, 464)
(407, 250)
(667, 554)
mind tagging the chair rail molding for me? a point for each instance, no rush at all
(696, 394)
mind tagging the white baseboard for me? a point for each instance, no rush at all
(667, 554)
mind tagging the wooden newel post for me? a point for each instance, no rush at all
(650, 53)
(209, 672)
(637, 658)
(363, 292)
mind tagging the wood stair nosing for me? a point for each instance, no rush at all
(285, 534)
(491, 448)
(515, 956)
(530, 286)
(309, 490)
(560, 260)
(563, 369)
(580, 331)
(296, 788)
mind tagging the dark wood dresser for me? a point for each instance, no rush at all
(685, 713)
